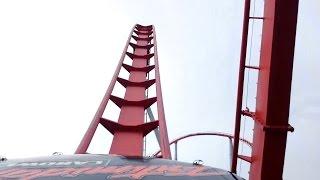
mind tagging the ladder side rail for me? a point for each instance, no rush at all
(243, 55)
(164, 143)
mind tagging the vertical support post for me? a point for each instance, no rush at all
(176, 151)
(273, 91)
(156, 131)
(164, 143)
(243, 55)
(231, 151)
(85, 142)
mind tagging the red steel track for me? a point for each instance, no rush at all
(205, 134)
(131, 128)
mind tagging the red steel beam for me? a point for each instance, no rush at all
(242, 64)
(273, 91)
(164, 140)
(205, 134)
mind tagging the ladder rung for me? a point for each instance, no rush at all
(245, 158)
(145, 31)
(142, 39)
(134, 46)
(256, 17)
(148, 33)
(252, 67)
(143, 69)
(143, 28)
(123, 102)
(135, 56)
(140, 26)
(146, 84)
(248, 113)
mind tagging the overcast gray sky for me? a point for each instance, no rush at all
(57, 59)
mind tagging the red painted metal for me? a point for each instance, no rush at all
(131, 128)
(252, 67)
(242, 64)
(205, 134)
(164, 140)
(273, 91)
(245, 158)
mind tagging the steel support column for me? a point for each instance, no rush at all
(273, 91)
(164, 143)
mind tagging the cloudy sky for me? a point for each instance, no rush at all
(57, 59)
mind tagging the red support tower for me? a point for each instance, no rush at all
(131, 128)
(274, 87)
(273, 90)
